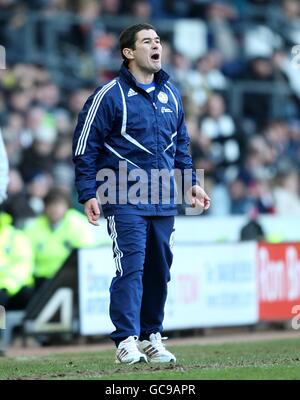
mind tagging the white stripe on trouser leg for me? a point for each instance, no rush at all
(113, 236)
(118, 252)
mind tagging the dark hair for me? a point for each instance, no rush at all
(128, 36)
(56, 195)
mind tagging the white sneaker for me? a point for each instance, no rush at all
(128, 352)
(155, 349)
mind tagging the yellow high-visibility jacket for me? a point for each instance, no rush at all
(16, 257)
(53, 245)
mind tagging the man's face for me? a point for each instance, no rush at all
(56, 211)
(147, 52)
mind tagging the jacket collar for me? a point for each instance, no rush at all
(160, 77)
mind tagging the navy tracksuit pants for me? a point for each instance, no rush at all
(138, 292)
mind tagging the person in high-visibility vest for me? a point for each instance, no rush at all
(3, 171)
(55, 233)
(16, 266)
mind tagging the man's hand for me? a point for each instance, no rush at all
(92, 211)
(198, 198)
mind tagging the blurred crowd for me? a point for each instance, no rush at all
(248, 148)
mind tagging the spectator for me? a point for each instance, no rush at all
(16, 266)
(3, 171)
(252, 230)
(37, 189)
(38, 159)
(55, 233)
(111, 8)
(288, 68)
(204, 80)
(142, 9)
(289, 20)
(259, 160)
(241, 202)
(261, 191)
(18, 201)
(220, 19)
(220, 128)
(286, 193)
(257, 105)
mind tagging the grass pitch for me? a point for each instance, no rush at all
(276, 359)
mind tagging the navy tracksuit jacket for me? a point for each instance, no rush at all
(122, 122)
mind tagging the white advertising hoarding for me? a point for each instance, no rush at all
(211, 285)
(96, 269)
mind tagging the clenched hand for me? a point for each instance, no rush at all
(198, 198)
(92, 211)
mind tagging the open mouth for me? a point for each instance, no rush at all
(155, 57)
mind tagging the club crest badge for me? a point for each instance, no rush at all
(163, 97)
